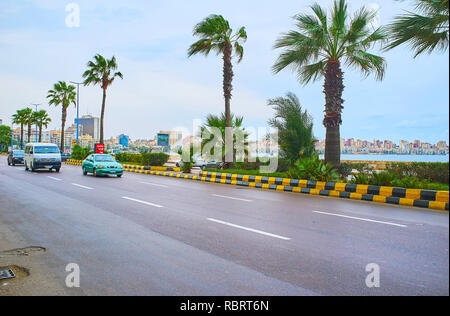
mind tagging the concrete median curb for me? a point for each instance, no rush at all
(437, 200)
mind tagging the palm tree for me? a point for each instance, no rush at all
(424, 31)
(216, 35)
(40, 119)
(19, 118)
(28, 120)
(218, 123)
(319, 47)
(295, 128)
(62, 94)
(101, 71)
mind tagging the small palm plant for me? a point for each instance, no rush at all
(62, 94)
(320, 46)
(101, 71)
(218, 123)
(295, 127)
(41, 119)
(425, 31)
(216, 35)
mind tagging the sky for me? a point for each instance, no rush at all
(163, 89)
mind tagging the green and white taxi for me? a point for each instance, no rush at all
(102, 164)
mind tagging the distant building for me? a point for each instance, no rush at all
(90, 126)
(123, 140)
(1, 122)
(175, 137)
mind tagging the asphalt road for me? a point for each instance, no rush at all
(150, 235)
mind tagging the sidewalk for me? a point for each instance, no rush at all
(29, 263)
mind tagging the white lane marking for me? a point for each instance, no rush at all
(232, 198)
(82, 186)
(156, 185)
(248, 229)
(139, 201)
(361, 219)
(53, 178)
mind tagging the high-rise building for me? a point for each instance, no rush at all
(91, 126)
(123, 140)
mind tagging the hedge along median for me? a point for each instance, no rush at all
(129, 168)
(438, 200)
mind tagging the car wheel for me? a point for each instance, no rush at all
(32, 168)
(119, 176)
(57, 169)
(13, 163)
(84, 172)
(9, 164)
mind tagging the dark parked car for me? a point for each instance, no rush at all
(15, 156)
(214, 165)
(65, 156)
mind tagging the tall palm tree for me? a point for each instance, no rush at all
(216, 35)
(19, 118)
(318, 48)
(28, 120)
(41, 119)
(101, 71)
(424, 31)
(64, 95)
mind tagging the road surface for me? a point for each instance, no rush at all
(150, 235)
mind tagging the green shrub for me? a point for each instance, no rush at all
(186, 167)
(345, 169)
(80, 153)
(382, 179)
(313, 169)
(431, 171)
(154, 159)
(127, 157)
(360, 178)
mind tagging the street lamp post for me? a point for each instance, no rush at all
(78, 106)
(36, 105)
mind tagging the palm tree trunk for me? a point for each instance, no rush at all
(63, 124)
(102, 115)
(227, 88)
(40, 133)
(333, 88)
(21, 135)
(29, 131)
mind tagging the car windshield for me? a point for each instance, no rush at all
(46, 150)
(18, 152)
(105, 158)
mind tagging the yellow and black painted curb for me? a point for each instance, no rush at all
(410, 197)
(438, 200)
(129, 168)
(140, 169)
